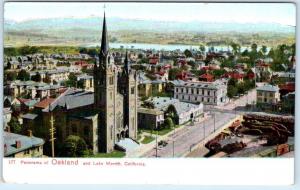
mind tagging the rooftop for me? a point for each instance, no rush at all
(29, 116)
(26, 143)
(269, 88)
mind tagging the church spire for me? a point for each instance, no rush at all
(126, 64)
(104, 40)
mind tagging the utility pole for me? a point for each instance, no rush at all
(214, 122)
(52, 132)
(173, 141)
(204, 129)
(156, 143)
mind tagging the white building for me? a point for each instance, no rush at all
(213, 93)
(185, 111)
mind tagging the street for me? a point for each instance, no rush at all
(180, 142)
(191, 135)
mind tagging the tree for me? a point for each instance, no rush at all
(188, 53)
(83, 50)
(171, 112)
(37, 77)
(241, 88)
(74, 146)
(231, 91)
(23, 75)
(202, 48)
(236, 48)
(232, 82)
(10, 76)
(92, 52)
(14, 125)
(245, 53)
(264, 50)
(169, 123)
(173, 72)
(47, 79)
(72, 81)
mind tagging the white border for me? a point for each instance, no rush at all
(164, 171)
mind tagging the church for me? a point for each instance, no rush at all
(104, 118)
(115, 98)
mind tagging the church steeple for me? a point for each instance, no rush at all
(126, 64)
(104, 40)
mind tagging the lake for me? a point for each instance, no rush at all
(167, 47)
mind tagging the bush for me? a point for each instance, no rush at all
(74, 146)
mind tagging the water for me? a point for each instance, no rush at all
(167, 47)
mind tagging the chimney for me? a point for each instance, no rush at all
(29, 133)
(18, 144)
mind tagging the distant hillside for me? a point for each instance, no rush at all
(86, 31)
(115, 24)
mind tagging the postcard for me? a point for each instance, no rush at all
(123, 89)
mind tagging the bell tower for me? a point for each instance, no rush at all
(105, 84)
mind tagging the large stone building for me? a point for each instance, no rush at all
(213, 93)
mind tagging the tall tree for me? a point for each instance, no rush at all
(23, 75)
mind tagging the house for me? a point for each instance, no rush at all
(236, 74)
(147, 87)
(206, 77)
(31, 89)
(214, 93)
(250, 74)
(284, 76)
(267, 96)
(85, 82)
(150, 118)
(286, 88)
(6, 116)
(20, 146)
(184, 111)
(153, 60)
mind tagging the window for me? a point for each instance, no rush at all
(195, 98)
(192, 91)
(111, 132)
(111, 80)
(208, 93)
(176, 89)
(132, 90)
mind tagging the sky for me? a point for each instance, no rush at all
(282, 13)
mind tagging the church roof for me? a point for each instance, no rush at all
(71, 99)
